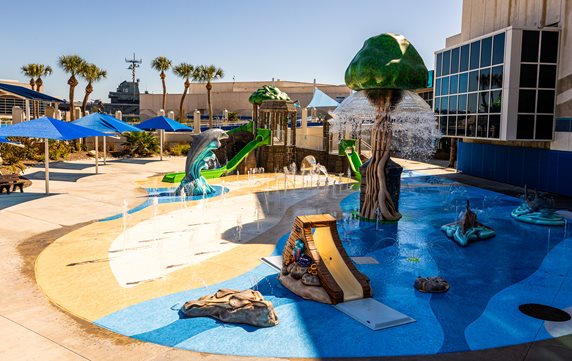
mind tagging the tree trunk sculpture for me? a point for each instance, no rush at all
(377, 202)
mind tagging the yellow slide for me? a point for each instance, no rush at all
(336, 265)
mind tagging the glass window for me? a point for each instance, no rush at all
(473, 81)
(545, 101)
(482, 126)
(494, 126)
(526, 101)
(462, 107)
(438, 63)
(453, 104)
(498, 49)
(445, 86)
(496, 101)
(475, 54)
(525, 126)
(528, 75)
(455, 61)
(451, 125)
(483, 102)
(444, 105)
(472, 103)
(529, 52)
(464, 58)
(486, 49)
(496, 77)
(463, 82)
(544, 126)
(454, 84)
(471, 125)
(461, 125)
(438, 87)
(437, 105)
(549, 49)
(547, 76)
(443, 125)
(485, 79)
(446, 62)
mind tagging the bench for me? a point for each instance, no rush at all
(10, 183)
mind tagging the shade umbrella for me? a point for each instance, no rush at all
(6, 141)
(163, 123)
(106, 124)
(49, 128)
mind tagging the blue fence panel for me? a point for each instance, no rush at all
(545, 170)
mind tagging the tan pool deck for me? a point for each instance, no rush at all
(55, 268)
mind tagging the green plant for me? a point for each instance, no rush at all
(140, 143)
(179, 149)
(233, 117)
(60, 149)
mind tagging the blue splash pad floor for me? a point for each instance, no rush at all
(489, 280)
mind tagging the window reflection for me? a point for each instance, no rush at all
(471, 125)
(496, 77)
(496, 99)
(498, 49)
(494, 126)
(475, 54)
(483, 102)
(482, 126)
(464, 66)
(461, 125)
(463, 82)
(485, 79)
(486, 45)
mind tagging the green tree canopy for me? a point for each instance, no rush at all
(267, 92)
(386, 61)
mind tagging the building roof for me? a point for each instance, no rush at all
(28, 93)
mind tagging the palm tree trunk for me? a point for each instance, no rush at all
(181, 116)
(39, 84)
(72, 82)
(164, 91)
(209, 87)
(88, 90)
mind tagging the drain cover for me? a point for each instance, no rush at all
(544, 312)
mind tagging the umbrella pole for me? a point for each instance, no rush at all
(47, 165)
(161, 142)
(96, 155)
(104, 151)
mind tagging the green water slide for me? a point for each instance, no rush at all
(263, 137)
(347, 147)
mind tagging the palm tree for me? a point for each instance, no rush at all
(91, 73)
(42, 70)
(185, 71)
(162, 64)
(206, 73)
(30, 71)
(71, 64)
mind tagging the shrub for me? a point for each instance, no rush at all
(140, 143)
(61, 149)
(233, 117)
(179, 149)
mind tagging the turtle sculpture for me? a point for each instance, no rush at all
(536, 209)
(467, 228)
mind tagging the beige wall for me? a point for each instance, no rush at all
(232, 96)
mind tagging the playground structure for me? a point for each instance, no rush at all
(347, 147)
(263, 137)
(314, 248)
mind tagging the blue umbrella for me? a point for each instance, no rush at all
(17, 144)
(163, 123)
(49, 128)
(106, 124)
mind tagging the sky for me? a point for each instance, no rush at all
(249, 39)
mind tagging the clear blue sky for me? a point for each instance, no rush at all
(250, 39)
